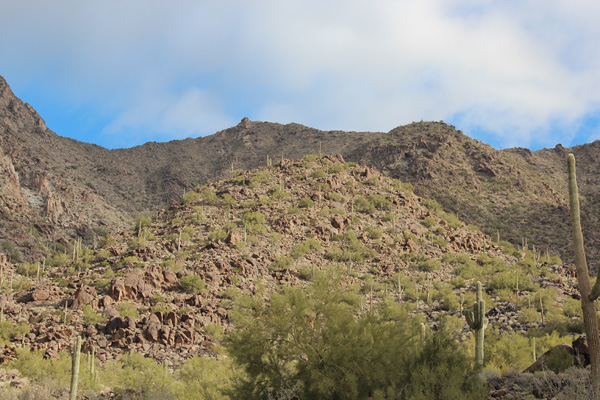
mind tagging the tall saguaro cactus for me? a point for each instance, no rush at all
(478, 322)
(75, 368)
(590, 319)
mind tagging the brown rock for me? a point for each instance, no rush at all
(152, 332)
(337, 222)
(170, 276)
(106, 301)
(234, 237)
(85, 295)
(40, 294)
(117, 290)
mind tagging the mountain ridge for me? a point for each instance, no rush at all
(502, 191)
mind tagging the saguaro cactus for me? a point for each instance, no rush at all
(478, 322)
(590, 319)
(75, 368)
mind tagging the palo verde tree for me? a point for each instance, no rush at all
(317, 343)
(590, 318)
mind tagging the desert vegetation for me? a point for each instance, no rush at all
(303, 279)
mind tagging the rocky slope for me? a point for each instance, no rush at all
(165, 288)
(64, 188)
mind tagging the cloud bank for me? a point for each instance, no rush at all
(511, 73)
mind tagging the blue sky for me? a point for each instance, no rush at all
(121, 73)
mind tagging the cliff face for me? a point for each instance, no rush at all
(42, 197)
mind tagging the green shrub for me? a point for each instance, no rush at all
(373, 233)
(135, 377)
(128, 310)
(529, 316)
(308, 246)
(28, 269)
(191, 197)
(59, 260)
(363, 205)
(8, 331)
(318, 173)
(306, 202)
(311, 157)
(333, 196)
(54, 373)
(507, 350)
(429, 265)
(141, 222)
(339, 353)
(428, 222)
(210, 198)
(217, 235)
(381, 202)
(282, 263)
(208, 378)
(90, 317)
(192, 284)
(253, 222)
(335, 168)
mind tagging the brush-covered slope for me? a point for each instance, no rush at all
(62, 188)
(165, 287)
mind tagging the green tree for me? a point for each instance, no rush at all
(310, 344)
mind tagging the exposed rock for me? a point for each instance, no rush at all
(85, 295)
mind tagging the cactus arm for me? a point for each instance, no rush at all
(469, 317)
(595, 290)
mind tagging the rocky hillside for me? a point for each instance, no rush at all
(161, 284)
(165, 287)
(59, 189)
(44, 196)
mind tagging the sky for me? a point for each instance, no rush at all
(121, 73)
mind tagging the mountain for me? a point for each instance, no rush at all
(65, 188)
(167, 287)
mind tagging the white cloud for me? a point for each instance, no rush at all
(520, 70)
(193, 113)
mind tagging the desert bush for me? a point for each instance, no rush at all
(363, 205)
(259, 179)
(207, 378)
(507, 350)
(28, 269)
(308, 246)
(428, 222)
(306, 202)
(192, 284)
(59, 260)
(282, 263)
(429, 265)
(373, 233)
(381, 202)
(318, 173)
(210, 198)
(336, 354)
(91, 317)
(334, 169)
(529, 316)
(128, 310)
(135, 377)
(254, 222)
(217, 235)
(191, 197)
